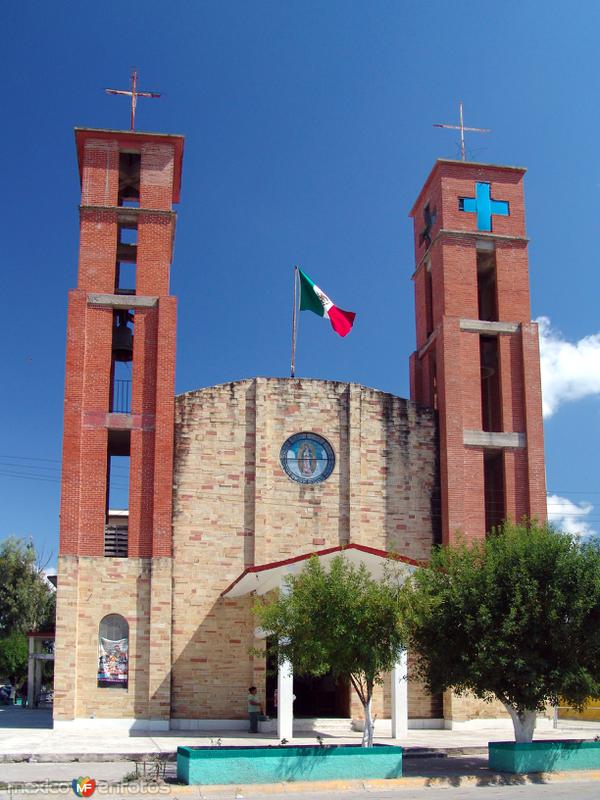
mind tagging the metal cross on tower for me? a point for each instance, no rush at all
(462, 130)
(134, 94)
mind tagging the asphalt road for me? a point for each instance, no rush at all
(451, 770)
(553, 791)
(571, 790)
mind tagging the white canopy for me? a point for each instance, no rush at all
(262, 579)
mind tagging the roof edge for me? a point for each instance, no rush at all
(306, 556)
(456, 162)
(297, 380)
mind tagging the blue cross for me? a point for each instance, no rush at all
(483, 204)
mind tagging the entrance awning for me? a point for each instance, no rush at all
(262, 579)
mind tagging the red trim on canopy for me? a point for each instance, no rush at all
(305, 556)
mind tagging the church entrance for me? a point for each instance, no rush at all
(321, 697)
(314, 697)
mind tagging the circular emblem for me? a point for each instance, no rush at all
(307, 458)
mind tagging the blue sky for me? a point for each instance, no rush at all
(308, 134)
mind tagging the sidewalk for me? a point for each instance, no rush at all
(459, 772)
(27, 735)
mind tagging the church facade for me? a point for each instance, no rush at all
(245, 479)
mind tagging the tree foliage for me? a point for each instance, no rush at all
(14, 650)
(516, 616)
(338, 620)
(27, 601)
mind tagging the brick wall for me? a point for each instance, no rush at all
(452, 252)
(235, 507)
(138, 587)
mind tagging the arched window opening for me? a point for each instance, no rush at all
(113, 652)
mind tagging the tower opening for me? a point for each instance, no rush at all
(428, 300)
(127, 233)
(487, 297)
(125, 277)
(122, 356)
(117, 493)
(433, 387)
(129, 179)
(491, 406)
(493, 482)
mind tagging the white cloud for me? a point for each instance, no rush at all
(568, 516)
(570, 371)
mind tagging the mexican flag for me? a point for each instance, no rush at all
(314, 299)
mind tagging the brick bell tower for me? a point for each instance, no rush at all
(477, 358)
(115, 543)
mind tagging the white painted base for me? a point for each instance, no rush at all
(210, 724)
(102, 723)
(343, 725)
(504, 723)
(413, 724)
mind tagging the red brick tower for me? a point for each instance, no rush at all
(477, 357)
(119, 405)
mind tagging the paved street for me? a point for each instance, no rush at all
(557, 791)
(442, 778)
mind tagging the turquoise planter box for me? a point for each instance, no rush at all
(210, 765)
(543, 756)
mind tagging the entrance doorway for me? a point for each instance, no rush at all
(314, 697)
(321, 697)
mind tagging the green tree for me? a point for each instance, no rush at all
(27, 601)
(339, 620)
(516, 616)
(14, 651)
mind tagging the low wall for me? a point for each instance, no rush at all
(543, 756)
(220, 765)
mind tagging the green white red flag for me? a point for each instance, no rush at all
(314, 299)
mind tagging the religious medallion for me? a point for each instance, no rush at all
(307, 458)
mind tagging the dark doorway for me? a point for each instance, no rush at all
(315, 697)
(321, 697)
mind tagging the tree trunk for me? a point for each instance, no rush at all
(367, 738)
(523, 722)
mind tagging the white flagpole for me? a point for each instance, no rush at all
(294, 323)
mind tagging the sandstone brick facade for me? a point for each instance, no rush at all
(234, 507)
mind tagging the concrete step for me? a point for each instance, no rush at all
(331, 726)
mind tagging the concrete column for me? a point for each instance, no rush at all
(285, 701)
(37, 680)
(285, 696)
(400, 696)
(31, 672)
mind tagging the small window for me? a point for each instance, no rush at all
(113, 652)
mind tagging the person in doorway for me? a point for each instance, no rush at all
(255, 710)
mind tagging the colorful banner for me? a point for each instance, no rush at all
(113, 661)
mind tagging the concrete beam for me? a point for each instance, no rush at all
(491, 439)
(483, 326)
(121, 300)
